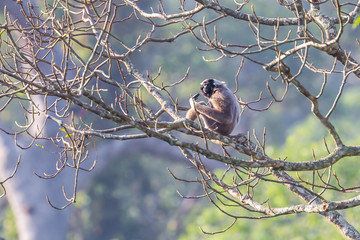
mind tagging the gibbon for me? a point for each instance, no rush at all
(222, 113)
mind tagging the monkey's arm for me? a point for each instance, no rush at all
(211, 113)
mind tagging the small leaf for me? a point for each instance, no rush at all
(63, 130)
(40, 146)
(68, 135)
(356, 22)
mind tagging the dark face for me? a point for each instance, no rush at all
(207, 87)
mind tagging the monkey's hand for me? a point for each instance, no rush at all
(192, 103)
(192, 100)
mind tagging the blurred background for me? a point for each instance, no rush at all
(131, 194)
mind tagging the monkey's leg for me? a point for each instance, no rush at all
(210, 116)
(212, 113)
(209, 123)
(191, 114)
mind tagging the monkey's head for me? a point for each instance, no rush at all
(209, 87)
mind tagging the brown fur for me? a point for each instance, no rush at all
(222, 114)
